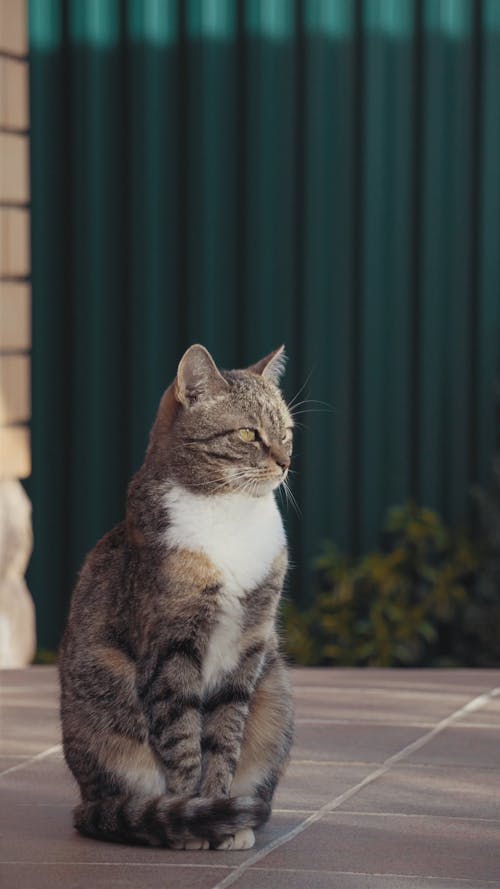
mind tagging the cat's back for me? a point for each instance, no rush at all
(99, 582)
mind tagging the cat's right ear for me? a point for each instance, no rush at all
(198, 376)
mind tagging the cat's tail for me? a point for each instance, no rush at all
(169, 821)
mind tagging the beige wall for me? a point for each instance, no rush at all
(17, 612)
(15, 322)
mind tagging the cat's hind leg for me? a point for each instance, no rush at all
(265, 748)
(268, 735)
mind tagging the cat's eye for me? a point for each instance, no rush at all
(247, 434)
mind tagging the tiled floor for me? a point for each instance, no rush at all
(394, 784)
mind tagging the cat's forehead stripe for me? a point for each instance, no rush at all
(255, 392)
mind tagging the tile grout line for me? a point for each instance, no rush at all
(473, 705)
(470, 707)
(370, 723)
(14, 755)
(152, 864)
(308, 870)
(353, 873)
(368, 814)
(411, 765)
(384, 691)
(22, 765)
(436, 815)
(383, 814)
(378, 723)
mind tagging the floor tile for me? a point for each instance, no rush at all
(314, 879)
(489, 714)
(379, 706)
(311, 786)
(30, 677)
(40, 782)
(348, 743)
(428, 823)
(468, 681)
(11, 743)
(101, 876)
(29, 725)
(461, 793)
(8, 762)
(395, 844)
(462, 745)
(33, 829)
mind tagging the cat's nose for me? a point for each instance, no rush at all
(279, 455)
(282, 460)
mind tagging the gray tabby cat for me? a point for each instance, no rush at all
(175, 704)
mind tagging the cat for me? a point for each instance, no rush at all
(176, 706)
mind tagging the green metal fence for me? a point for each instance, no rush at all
(324, 173)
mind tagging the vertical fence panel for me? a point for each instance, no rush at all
(487, 350)
(458, 348)
(247, 172)
(386, 308)
(212, 175)
(326, 490)
(98, 453)
(269, 177)
(268, 191)
(152, 170)
(48, 575)
(445, 347)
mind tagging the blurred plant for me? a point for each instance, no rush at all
(481, 636)
(45, 656)
(401, 606)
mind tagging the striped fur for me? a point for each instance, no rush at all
(164, 821)
(175, 703)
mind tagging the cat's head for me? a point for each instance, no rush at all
(231, 431)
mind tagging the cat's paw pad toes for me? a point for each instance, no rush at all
(197, 844)
(226, 844)
(191, 845)
(242, 839)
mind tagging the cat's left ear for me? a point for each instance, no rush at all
(198, 376)
(272, 367)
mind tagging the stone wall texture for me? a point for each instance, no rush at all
(17, 618)
(17, 612)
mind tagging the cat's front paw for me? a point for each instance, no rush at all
(242, 839)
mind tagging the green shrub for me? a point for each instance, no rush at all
(481, 638)
(405, 605)
(45, 656)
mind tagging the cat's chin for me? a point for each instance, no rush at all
(262, 487)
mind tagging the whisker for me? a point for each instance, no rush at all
(313, 401)
(292, 499)
(217, 484)
(314, 410)
(288, 497)
(239, 478)
(301, 389)
(221, 478)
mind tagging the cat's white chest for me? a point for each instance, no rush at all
(241, 535)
